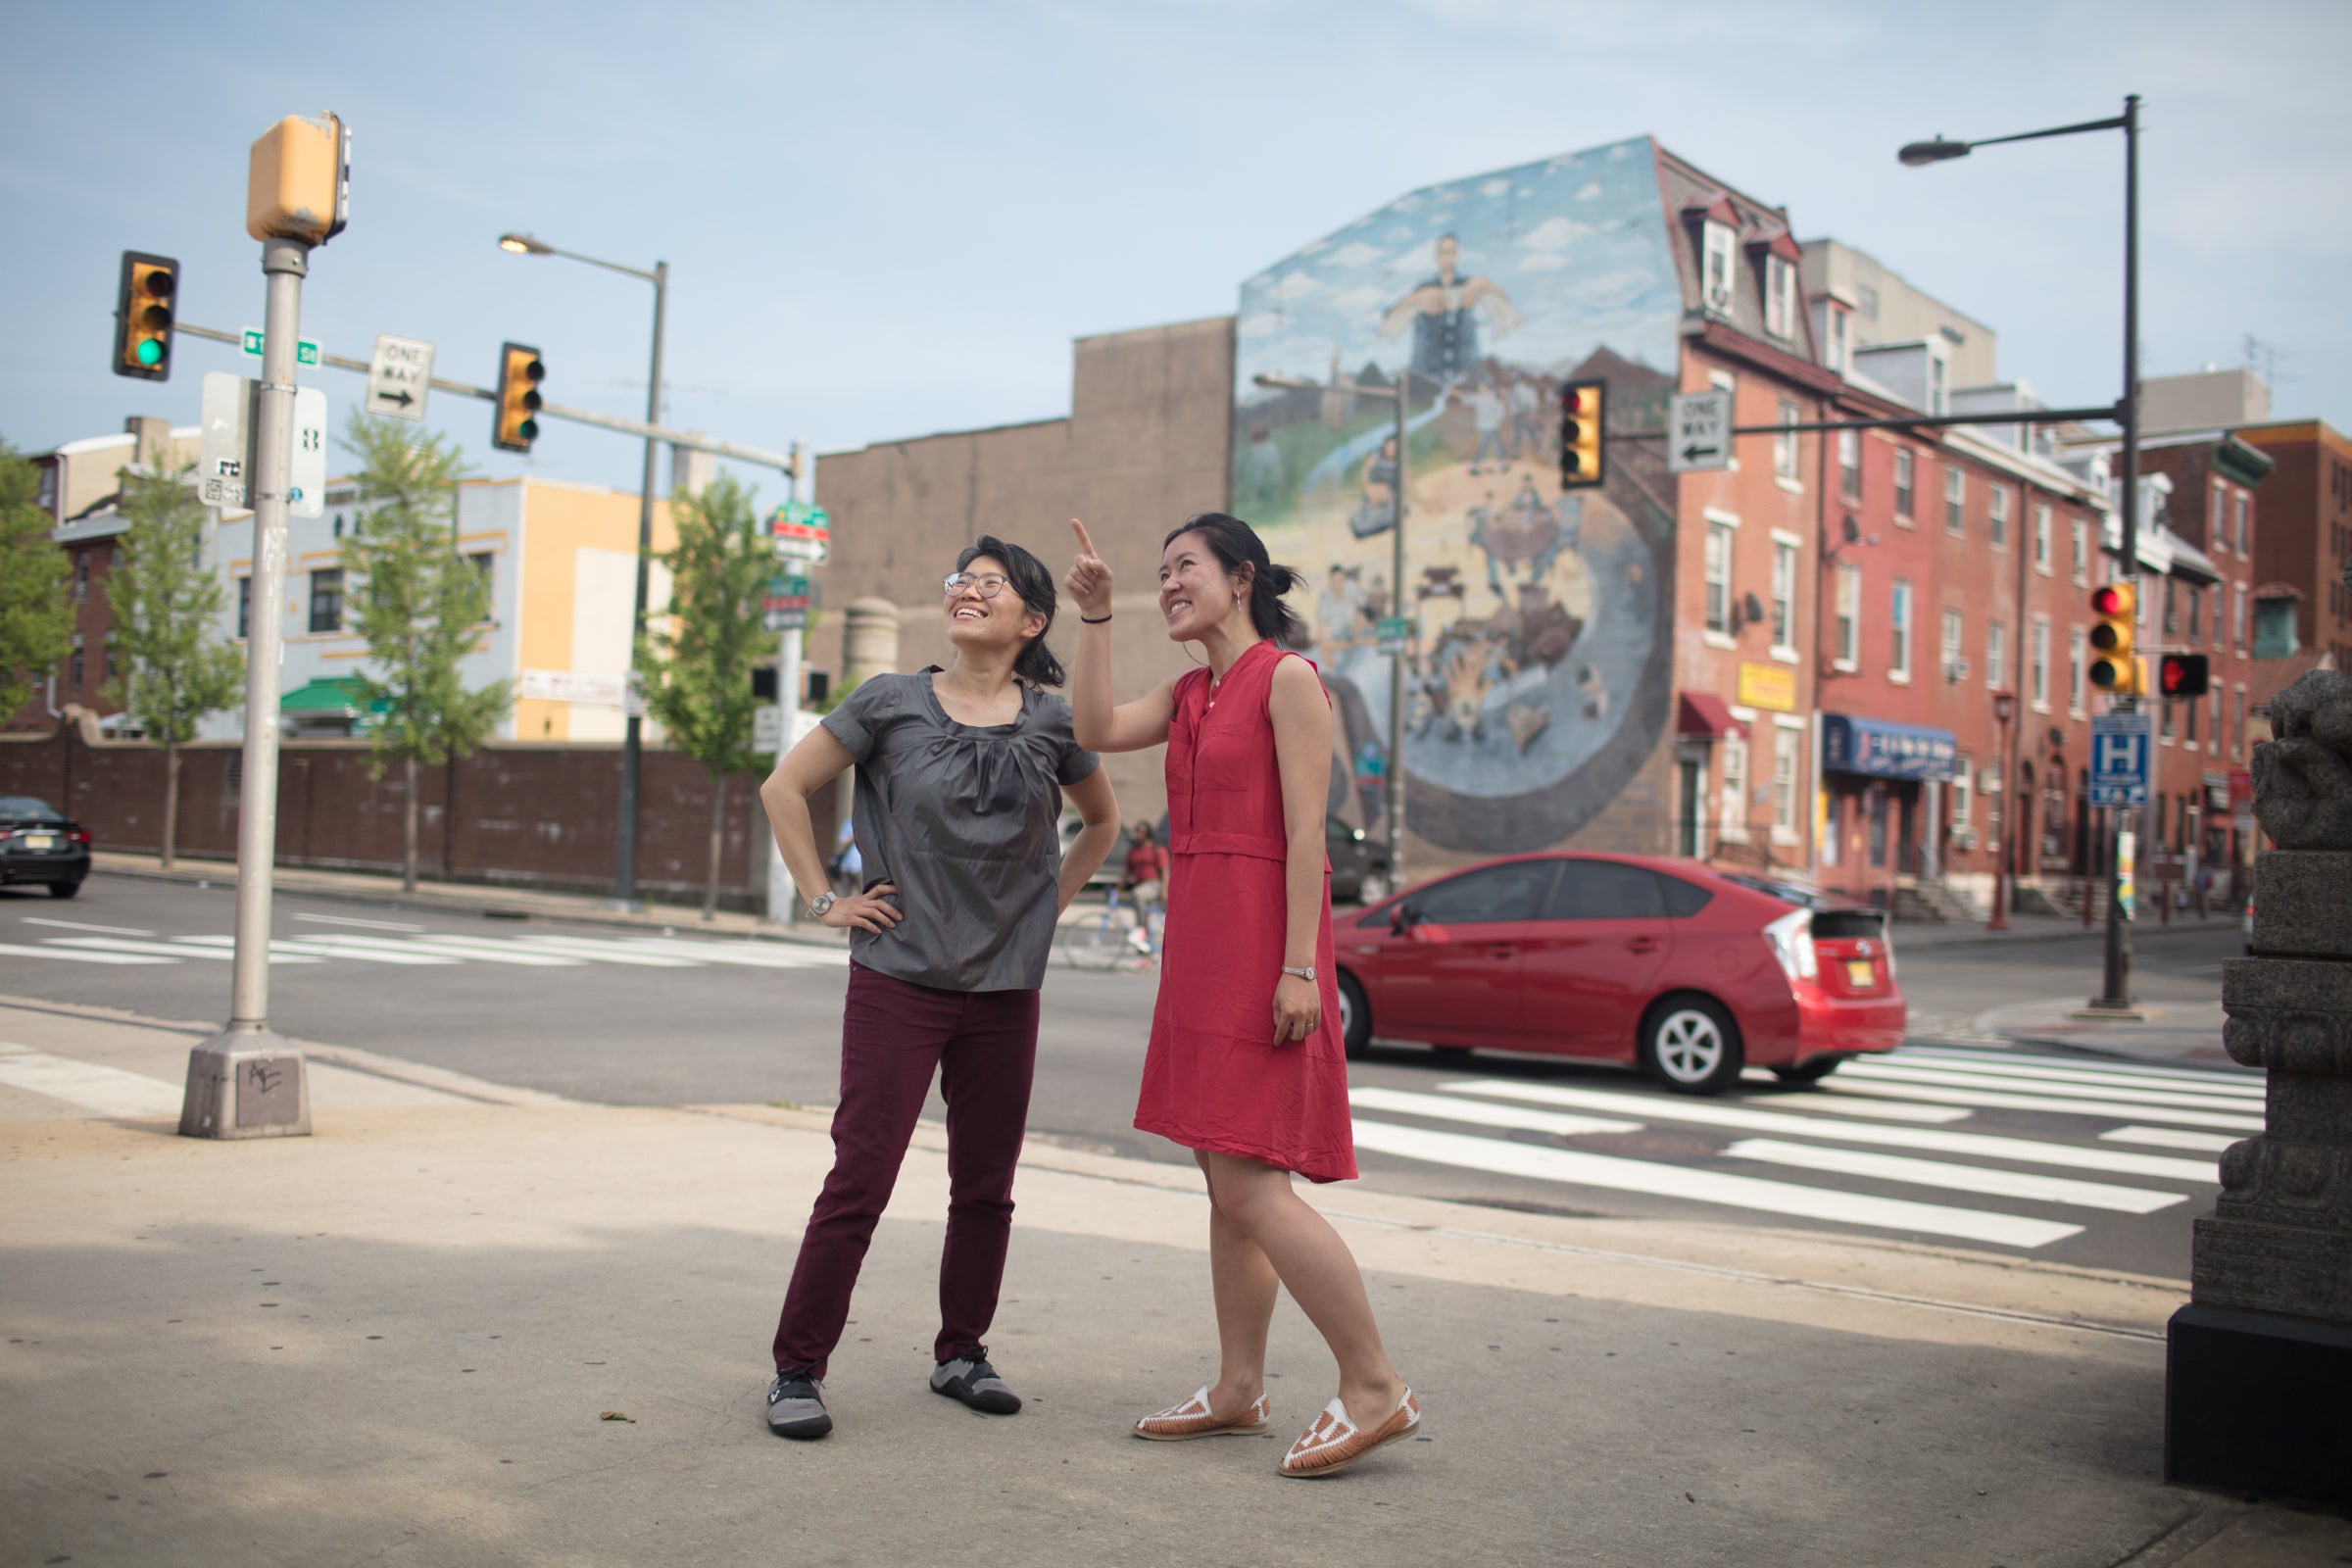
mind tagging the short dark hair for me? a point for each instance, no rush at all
(1237, 546)
(1028, 578)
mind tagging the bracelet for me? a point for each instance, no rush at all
(1091, 620)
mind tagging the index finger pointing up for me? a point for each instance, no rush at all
(1085, 544)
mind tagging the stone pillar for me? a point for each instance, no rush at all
(869, 640)
(2258, 1384)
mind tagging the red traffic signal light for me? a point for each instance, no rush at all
(2117, 667)
(2183, 675)
(2112, 600)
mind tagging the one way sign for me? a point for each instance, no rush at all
(1698, 432)
(399, 376)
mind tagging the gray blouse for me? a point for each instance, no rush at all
(962, 819)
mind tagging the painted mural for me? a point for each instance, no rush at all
(1539, 679)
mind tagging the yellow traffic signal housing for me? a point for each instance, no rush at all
(144, 303)
(2114, 666)
(297, 180)
(519, 372)
(1584, 449)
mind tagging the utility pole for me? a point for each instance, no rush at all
(632, 745)
(248, 1081)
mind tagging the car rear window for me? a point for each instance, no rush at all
(1830, 925)
(27, 806)
(1604, 890)
(1684, 899)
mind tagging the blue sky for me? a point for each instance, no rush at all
(888, 219)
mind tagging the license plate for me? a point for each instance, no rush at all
(1858, 973)
(40, 841)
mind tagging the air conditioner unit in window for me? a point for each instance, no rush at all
(1956, 670)
(1964, 838)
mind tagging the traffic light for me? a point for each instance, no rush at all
(519, 372)
(2116, 668)
(1584, 451)
(143, 306)
(2184, 674)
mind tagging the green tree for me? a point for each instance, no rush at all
(36, 613)
(698, 678)
(419, 604)
(172, 665)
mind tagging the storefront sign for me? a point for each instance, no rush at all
(1772, 686)
(1885, 750)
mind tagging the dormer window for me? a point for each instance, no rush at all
(1779, 298)
(1839, 358)
(1937, 397)
(1715, 271)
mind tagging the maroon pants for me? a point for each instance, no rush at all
(893, 1035)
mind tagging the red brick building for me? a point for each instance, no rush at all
(2306, 541)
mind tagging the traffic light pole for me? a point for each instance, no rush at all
(248, 1081)
(2115, 986)
(632, 745)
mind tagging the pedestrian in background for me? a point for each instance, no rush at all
(961, 773)
(1247, 1067)
(1145, 879)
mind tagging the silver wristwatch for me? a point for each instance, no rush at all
(823, 903)
(1305, 972)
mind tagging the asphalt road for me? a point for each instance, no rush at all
(625, 1017)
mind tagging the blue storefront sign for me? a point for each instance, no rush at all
(1883, 749)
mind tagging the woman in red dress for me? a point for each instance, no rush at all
(1247, 1067)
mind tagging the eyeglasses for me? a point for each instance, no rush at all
(987, 584)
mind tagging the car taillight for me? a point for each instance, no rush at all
(1792, 940)
(79, 834)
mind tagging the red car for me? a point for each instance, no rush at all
(1692, 973)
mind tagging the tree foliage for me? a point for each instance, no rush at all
(36, 613)
(418, 602)
(172, 667)
(699, 676)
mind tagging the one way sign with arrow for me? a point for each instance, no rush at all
(399, 376)
(1698, 432)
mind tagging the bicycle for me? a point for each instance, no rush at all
(1108, 942)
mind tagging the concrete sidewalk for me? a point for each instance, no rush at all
(2184, 1032)
(466, 1326)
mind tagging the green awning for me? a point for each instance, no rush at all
(334, 694)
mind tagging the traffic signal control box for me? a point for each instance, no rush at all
(2114, 664)
(144, 303)
(297, 180)
(2181, 675)
(516, 423)
(1584, 448)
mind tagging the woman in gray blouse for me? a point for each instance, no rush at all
(961, 773)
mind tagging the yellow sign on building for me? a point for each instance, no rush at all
(1772, 686)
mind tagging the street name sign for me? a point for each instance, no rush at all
(306, 352)
(1394, 634)
(1698, 432)
(226, 461)
(785, 606)
(801, 532)
(2119, 760)
(399, 375)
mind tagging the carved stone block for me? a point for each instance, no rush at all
(2302, 905)
(2298, 1269)
(2303, 779)
(2290, 1015)
(2282, 1181)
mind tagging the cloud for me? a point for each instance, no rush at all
(1259, 323)
(1590, 192)
(1355, 301)
(1295, 286)
(1356, 253)
(1495, 187)
(1553, 234)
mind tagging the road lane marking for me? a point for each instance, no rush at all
(168, 950)
(76, 925)
(1984, 1145)
(607, 952)
(763, 957)
(1575, 1167)
(373, 925)
(1438, 1106)
(2050, 1104)
(103, 1091)
(2057, 1067)
(11, 948)
(311, 949)
(1958, 1178)
(489, 950)
(1888, 1110)
(1897, 1072)
(2170, 1137)
(2211, 1086)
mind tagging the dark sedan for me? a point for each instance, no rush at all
(39, 844)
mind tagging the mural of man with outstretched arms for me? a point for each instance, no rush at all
(1444, 331)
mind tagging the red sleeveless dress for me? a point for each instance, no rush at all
(1214, 1077)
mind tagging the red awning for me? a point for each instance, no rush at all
(1708, 716)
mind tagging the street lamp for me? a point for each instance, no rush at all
(2115, 983)
(624, 867)
(1398, 395)
(2004, 710)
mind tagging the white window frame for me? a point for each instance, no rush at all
(1938, 397)
(1785, 553)
(1960, 787)
(1955, 500)
(1996, 516)
(2041, 537)
(1996, 654)
(1718, 257)
(1783, 443)
(1779, 299)
(2217, 535)
(1715, 616)
(2037, 666)
(1788, 743)
(2237, 619)
(2241, 507)
(2081, 571)
(1849, 464)
(1950, 650)
(1848, 617)
(2076, 670)
(1732, 799)
(1906, 485)
(1898, 618)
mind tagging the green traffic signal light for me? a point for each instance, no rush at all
(150, 353)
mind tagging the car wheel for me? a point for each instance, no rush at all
(64, 890)
(1809, 1072)
(1355, 1016)
(1690, 1045)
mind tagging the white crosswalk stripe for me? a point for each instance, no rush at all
(1868, 1165)
(424, 948)
(87, 1085)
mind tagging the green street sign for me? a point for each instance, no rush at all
(306, 352)
(1393, 627)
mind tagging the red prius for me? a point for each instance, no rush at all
(1692, 973)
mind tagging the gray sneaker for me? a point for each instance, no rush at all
(796, 1406)
(972, 1380)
